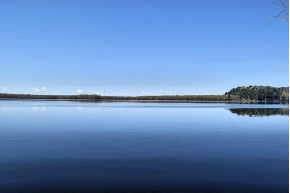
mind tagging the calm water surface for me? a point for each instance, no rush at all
(57, 146)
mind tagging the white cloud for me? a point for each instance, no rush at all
(148, 93)
(120, 94)
(167, 92)
(143, 93)
(79, 91)
(171, 93)
(5, 89)
(35, 89)
(39, 89)
(98, 93)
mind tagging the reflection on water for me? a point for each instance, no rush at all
(59, 146)
(258, 112)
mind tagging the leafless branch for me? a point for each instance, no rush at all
(283, 15)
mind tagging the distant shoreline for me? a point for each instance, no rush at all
(249, 94)
(149, 101)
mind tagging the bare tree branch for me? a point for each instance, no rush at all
(283, 15)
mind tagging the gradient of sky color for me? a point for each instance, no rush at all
(136, 47)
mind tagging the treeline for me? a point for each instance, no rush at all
(50, 97)
(133, 98)
(249, 93)
(259, 93)
(170, 97)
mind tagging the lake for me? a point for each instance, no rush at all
(62, 146)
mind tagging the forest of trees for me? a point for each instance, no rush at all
(259, 93)
(241, 93)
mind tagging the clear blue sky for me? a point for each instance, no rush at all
(133, 47)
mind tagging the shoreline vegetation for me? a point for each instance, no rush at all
(238, 94)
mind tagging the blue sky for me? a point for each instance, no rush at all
(137, 47)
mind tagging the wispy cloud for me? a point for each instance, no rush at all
(39, 89)
(162, 92)
(79, 91)
(145, 93)
(35, 89)
(120, 94)
(5, 89)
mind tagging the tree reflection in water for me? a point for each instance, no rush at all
(259, 112)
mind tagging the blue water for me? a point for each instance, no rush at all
(58, 146)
